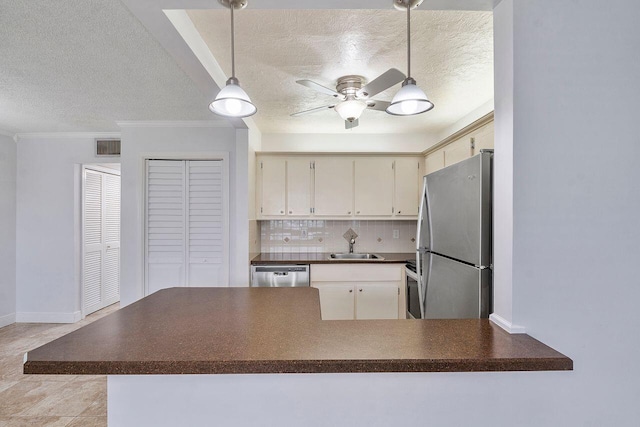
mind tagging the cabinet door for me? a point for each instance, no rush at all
(333, 194)
(483, 137)
(273, 173)
(374, 187)
(337, 301)
(406, 187)
(377, 301)
(298, 186)
(434, 162)
(457, 151)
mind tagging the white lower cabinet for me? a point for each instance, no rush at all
(337, 301)
(360, 291)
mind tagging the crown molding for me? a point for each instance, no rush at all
(68, 135)
(9, 134)
(487, 118)
(176, 124)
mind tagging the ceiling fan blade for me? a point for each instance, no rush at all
(313, 110)
(351, 125)
(319, 88)
(377, 105)
(382, 82)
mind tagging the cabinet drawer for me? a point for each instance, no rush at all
(356, 272)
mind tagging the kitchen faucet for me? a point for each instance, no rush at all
(352, 242)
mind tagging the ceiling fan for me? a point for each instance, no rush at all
(354, 95)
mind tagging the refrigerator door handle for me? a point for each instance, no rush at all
(422, 211)
(419, 274)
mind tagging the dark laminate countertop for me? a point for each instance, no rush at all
(278, 330)
(323, 258)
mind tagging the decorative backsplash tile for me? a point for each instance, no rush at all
(281, 236)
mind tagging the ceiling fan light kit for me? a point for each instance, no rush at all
(232, 101)
(410, 99)
(351, 109)
(354, 96)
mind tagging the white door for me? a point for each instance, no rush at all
(406, 191)
(101, 240)
(333, 195)
(273, 177)
(187, 224)
(377, 301)
(374, 186)
(337, 301)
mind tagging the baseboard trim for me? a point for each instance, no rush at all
(506, 325)
(7, 320)
(24, 317)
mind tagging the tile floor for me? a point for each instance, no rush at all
(47, 400)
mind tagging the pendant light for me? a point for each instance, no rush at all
(410, 99)
(232, 101)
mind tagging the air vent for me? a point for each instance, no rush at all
(107, 147)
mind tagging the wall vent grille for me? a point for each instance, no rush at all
(107, 147)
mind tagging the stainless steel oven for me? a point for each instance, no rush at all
(413, 297)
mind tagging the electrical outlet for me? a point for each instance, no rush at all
(396, 234)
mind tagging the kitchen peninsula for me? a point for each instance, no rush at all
(251, 331)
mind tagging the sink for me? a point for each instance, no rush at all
(355, 256)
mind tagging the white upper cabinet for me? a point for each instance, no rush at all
(336, 186)
(434, 161)
(374, 186)
(457, 151)
(407, 170)
(333, 195)
(299, 186)
(483, 138)
(273, 179)
(461, 148)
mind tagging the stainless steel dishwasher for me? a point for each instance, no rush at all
(279, 276)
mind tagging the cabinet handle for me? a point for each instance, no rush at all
(349, 213)
(360, 290)
(290, 212)
(358, 212)
(350, 290)
(399, 212)
(281, 212)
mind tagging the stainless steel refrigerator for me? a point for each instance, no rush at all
(454, 248)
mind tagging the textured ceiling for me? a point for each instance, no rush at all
(82, 65)
(452, 61)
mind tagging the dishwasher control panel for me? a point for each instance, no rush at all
(279, 276)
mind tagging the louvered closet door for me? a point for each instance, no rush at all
(186, 224)
(206, 224)
(101, 222)
(92, 241)
(165, 224)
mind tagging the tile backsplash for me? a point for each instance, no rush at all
(297, 236)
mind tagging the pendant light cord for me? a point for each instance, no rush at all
(408, 38)
(233, 53)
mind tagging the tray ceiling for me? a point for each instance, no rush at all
(452, 61)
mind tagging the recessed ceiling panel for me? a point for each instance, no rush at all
(452, 61)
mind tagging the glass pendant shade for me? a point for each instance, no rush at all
(351, 109)
(232, 101)
(409, 100)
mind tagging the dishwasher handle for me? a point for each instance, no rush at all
(276, 269)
